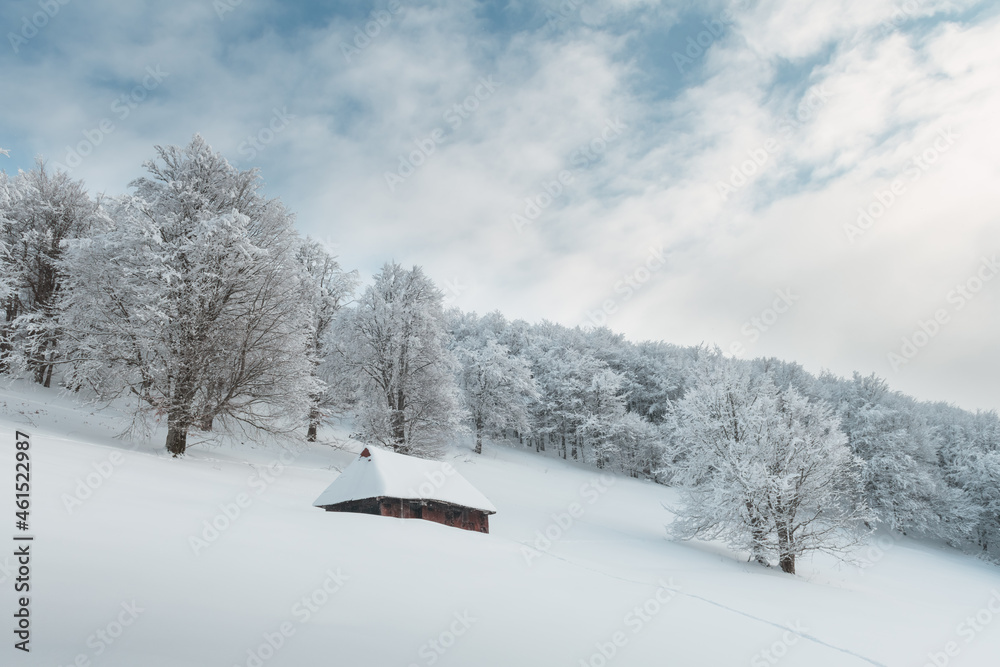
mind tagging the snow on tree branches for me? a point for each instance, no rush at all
(41, 210)
(393, 345)
(764, 469)
(189, 303)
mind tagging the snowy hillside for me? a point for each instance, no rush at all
(134, 574)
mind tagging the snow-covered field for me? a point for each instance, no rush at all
(134, 574)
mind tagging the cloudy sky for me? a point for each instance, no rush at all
(817, 181)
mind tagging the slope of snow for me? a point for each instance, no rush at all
(387, 474)
(218, 558)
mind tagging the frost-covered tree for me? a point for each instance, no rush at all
(6, 265)
(635, 446)
(601, 412)
(969, 449)
(497, 387)
(326, 289)
(43, 210)
(764, 470)
(191, 303)
(977, 473)
(723, 424)
(651, 373)
(563, 372)
(901, 480)
(394, 346)
(655, 374)
(602, 399)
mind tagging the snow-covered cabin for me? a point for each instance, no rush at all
(389, 484)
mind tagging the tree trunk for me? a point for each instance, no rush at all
(206, 422)
(758, 535)
(399, 429)
(314, 416)
(176, 435)
(48, 376)
(39, 363)
(5, 346)
(479, 435)
(786, 557)
(787, 563)
(43, 360)
(179, 418)
(397, 419)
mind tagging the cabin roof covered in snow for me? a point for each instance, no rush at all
(378, 473)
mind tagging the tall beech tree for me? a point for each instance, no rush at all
(42, 210)
(763, 469)
(497, 387)
(326, 289)
(192, 303)
(393, 346)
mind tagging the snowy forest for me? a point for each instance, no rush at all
(193, 300)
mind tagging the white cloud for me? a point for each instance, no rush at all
(889, 91)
